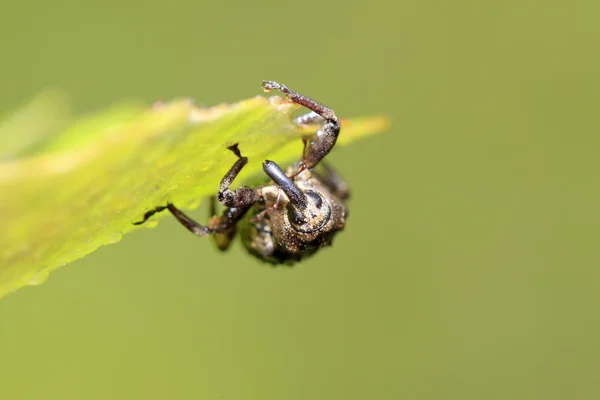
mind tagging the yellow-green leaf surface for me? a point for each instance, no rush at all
(64, 193)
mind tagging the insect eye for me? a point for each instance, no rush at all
(315, 198)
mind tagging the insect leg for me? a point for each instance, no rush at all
(309, 119)
(150, 213)
(190, 224)
(242, 197)
(224, 227)
(323, 141)
(333, 180)
(238, 202)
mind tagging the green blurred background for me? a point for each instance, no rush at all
(469, 267)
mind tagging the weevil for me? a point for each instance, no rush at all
(292, 216)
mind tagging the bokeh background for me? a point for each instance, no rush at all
(470, 265)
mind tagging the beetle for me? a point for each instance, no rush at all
(292, 216)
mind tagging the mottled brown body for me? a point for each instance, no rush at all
(292, 216)
(277, 238)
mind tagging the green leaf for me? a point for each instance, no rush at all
(70, 192)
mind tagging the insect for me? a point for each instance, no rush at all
(295, 213)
